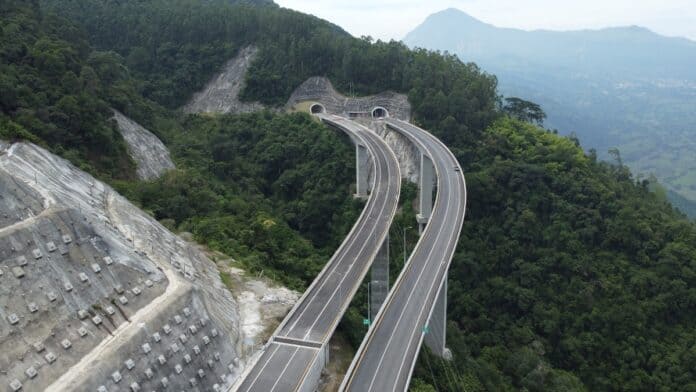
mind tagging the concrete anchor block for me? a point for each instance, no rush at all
(123, 300)
(15, 385)
(82, 331)
(116, 376)
(96, 320)
(161, 359)
(18, 272)
(156, 337)
(187, 358)
(22, 261)
(66, 344)
(39, 347)
(110, 310)
(31, 372)
(37, 253)
(13, 319)
(130, 364)
(149, 373)
(68, 286)
(83, 277)
(50, 358)
(51, 246)
(32, 307)
(146, 348)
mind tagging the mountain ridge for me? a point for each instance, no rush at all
(618, 87)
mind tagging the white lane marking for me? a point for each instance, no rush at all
(451, 247)
(337, 256)
(280, 376)
(408, 299)
(378, 169)
(377, 164)
(397, 184)
(362, 248)
(270, 356)
(460, 218)
(407, 269)
(430, 290)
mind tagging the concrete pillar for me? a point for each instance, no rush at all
(427, 177)
(379, 281)
(435, 332)
(362, 169)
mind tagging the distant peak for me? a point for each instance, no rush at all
(455, 15)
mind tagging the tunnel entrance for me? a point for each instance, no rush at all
(317, 108)
(380, 112)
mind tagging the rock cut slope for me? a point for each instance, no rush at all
(149, 153)
(95, 293)
(221, 94)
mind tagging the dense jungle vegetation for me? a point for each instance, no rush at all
(571, 275)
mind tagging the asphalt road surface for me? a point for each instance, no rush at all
(296, 345)
(388, 354)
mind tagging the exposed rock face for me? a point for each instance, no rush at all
(320, 90)
(96, 293)
(221, 94)
(148, 152)
(406, 152)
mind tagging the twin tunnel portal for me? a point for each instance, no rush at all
(401, 319)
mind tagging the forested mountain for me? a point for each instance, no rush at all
(571, 275)
(618, 87)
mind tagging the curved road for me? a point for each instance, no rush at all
(388, 354)
(296, 349)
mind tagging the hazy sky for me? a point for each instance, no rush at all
(388, 19)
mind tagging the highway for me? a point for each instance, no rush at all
(297, 349)
(387, 356)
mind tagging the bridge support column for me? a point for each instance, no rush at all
(379, 282)
(362, 171)
(427, 177)
(435, 333)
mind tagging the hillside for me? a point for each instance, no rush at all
(619, 87)
(571, 274)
